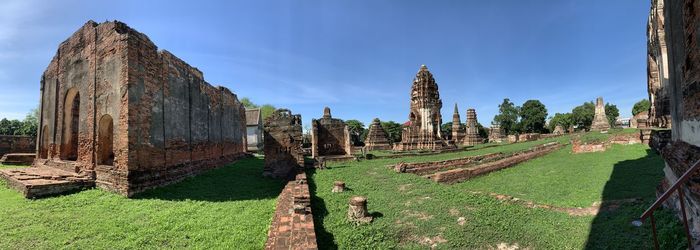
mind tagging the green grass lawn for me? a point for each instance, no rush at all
(412, 212)
(230, 207)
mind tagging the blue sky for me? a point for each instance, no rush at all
(359, 56)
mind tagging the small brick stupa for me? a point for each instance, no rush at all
(600, 120)
(377, 138)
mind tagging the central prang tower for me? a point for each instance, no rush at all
(423, 128)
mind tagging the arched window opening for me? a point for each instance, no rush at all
(71, 120)
(105, 141)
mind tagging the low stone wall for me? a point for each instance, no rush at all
(421, 168)
(579, 148)
(18, 159)
(400, 154)
(461, 174)
(659, 139)
(626, 139)
(293, 225)
(17, 144)
(528, 137)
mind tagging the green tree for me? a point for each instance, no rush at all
(6, 127)
(641, 106)
(356, 129)
(483, 132)
(507, 117)
(532, 116)
(565, 120)
(247, 103)
(393, 129)
(612, 113)
(447, 130)
(30, 124)
(266, 110)
(582, 116)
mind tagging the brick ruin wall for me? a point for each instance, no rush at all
(681, 21)
(421, 168)
(17, 144)
(168, 123)
(461, 174)
(283, 145)
(330, 137)
(293, 224)
(95, 55)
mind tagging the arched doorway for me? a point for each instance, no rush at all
(71, 119)
(44, 147)
(105, 138)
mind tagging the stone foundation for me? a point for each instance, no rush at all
(18, 159)
(579, 148)
(41, 182)
(462, 174)
(422, 168)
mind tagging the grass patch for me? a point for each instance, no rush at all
(413, 212)
(230, 207)
(577, 180)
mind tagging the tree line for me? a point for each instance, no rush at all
(28, 126)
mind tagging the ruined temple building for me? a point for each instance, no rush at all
(120, 114)
(377, 138)
(658, 72)
(674, 65)
(496, 134)
(600, 120)
(284, 156)
(330, 136)
(422, 131)
(472, 136)
(457, 129)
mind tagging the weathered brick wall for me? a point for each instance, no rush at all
(293, 225)
(168, 123)
(283, 139)
(179, 124)
(330, 136)
(17, 144)
(681, 20)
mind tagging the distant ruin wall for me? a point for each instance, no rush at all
(330, 136)
(16, 144)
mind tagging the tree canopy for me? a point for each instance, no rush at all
(564, 120)
(641, 106)
(507, 117)
(357, 130)
(611, 112)
(582, 116)
(266, 110)
(28, 126)
(532, 116)
(393, 130)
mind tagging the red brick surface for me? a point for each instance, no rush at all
(293, 225)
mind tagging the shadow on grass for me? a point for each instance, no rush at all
(241, 180)
(612, 228)
(324, 239)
